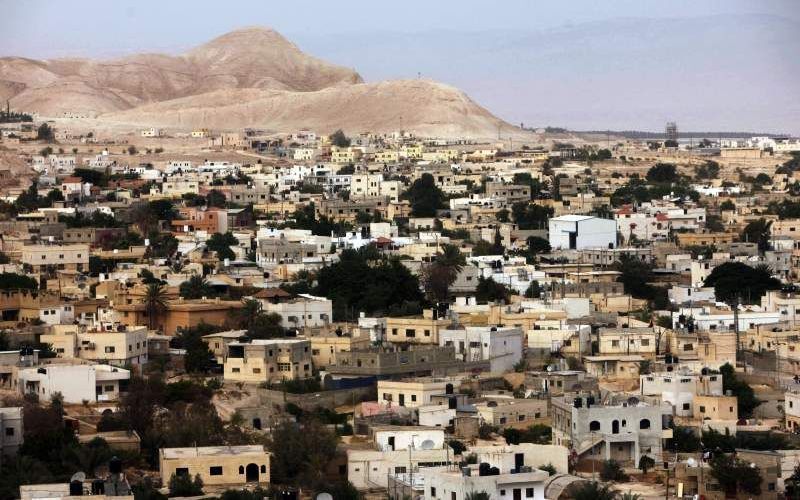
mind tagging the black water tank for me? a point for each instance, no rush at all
(98, 487)
(589, 401)
(115, 465)
(448, 389)
(494, 471)
(76, 488)
(484, 469)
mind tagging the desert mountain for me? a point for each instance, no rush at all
(248, 58)
(247, 78)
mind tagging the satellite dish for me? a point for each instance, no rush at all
(78, 476)
(426, 445)
(324, 496)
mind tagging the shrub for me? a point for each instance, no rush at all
(612, 471)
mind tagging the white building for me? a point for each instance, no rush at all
(456, 484)
(76, 383)
(579, 232)
(501, 346)
(304, 311)
(679, 389)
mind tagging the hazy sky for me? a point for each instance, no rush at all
(500, 52)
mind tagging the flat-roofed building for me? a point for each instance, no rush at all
(41, 258)
(268, 360)
(217, 465)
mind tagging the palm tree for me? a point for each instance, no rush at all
(477, 495)
(247, 315)
(451, 258)
(592, 490)
(630, 496)
(155, 300)
(196, 287)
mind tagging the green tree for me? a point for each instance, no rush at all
(612, 470)
(424, 196)
(709, 170)
(300, 452)
(758, 231)
(196, 287)
(534, 290)
(221, 244)
(549, 468)
(593, 490)
(45, 133)
(216, 198)
(727, 205)
(736, 282)
(734, 475)
(366, 280)
(685, 440)
(662, 173)
(340, 140)
(646, 463)
(132, 150)
(745, 395)
(183, 486)
(14, 281)
(199, 358)
(457, 446)
(488, 290)
(155, 301)
(530, 216)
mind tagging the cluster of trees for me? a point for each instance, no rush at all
(14, 281)
(638, 191)
(635, 277)
(365, 280)
(708, 170)
(306, 218)
(50, 452)
(425, 198)
(736, 282)
(340, 140)
(537, 434)
(30, 201)
(94, 219)
(530, 216)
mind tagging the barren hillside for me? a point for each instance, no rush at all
(247, 78)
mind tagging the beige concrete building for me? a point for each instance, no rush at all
(415, 329)
(271, 360)
(325, 347)
(512, 412)
(41, 258)
(216, 465)
(116, 345)
(412, 393)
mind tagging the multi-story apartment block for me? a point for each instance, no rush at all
(271, 360)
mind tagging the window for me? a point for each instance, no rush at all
(702, 409)
(410, 333)
(433, 492)
(182, 471)
(615, 343)
(645, 342)
(502, 420)
(413, 397)
(109, 388)
(215, 470)
(644, 423)
(9, 431)
(256, 370)
(686, 406)
(235, 370)
(110, 349)
(528, 492)
(502, 493)
(594, 425)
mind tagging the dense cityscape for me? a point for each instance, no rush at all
(293, 284)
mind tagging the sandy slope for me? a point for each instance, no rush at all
(247, 78)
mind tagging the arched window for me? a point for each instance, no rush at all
(594, 425)
(644, 423)
(615, 427)
(263, 469)
(241, 469)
